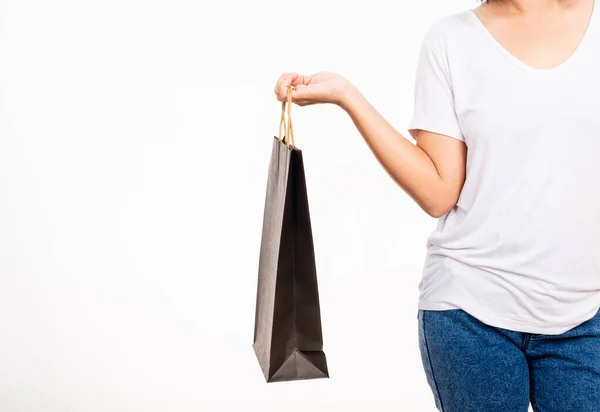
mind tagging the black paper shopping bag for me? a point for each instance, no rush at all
(288, 338)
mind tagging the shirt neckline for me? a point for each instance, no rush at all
(578, 50)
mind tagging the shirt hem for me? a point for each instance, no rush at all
(512, 324)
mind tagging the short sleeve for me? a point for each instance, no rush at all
(434, 109)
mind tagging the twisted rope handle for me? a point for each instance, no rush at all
(288, 137)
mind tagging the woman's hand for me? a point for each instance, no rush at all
(323, 87)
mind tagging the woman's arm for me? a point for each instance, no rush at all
(432, 172)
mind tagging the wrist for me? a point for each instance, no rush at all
(348, 95)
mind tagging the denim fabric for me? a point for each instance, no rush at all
(473, 367)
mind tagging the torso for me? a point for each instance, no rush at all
(521, 249)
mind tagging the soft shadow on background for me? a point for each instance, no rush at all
(134, 146)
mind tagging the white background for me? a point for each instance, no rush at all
(134, 145)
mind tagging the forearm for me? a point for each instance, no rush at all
(410, 167)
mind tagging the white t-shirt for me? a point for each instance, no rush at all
(521, 249)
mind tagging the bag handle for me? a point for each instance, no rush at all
(288, 137)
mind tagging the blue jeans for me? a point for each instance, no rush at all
(473, 367)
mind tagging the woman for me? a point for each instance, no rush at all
(509, 298)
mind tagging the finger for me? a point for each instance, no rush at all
(286, 80)
(302, 88)
(301, 80)
(280, 81)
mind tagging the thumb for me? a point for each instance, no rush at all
(300, 92)
(307, 92)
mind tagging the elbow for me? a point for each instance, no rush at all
(443, 200)
(439, 208)
(436, 213)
